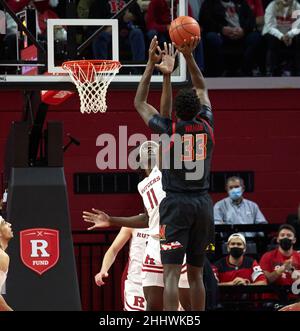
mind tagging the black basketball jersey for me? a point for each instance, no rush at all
(186, 151)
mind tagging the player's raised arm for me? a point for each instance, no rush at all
(140, 101)
(196, 76)
(99, 219)
(166, 67)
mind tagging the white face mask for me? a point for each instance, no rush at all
(53, 3)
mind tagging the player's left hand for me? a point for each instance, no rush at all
(154, 57)
(166, 66)
(188, 47)
(98, 217)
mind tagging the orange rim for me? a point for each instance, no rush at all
(100, 65)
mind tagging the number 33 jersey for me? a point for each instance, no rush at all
(150, 189)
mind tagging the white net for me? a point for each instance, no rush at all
(92, 79)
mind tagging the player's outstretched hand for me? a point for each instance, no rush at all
(166, 66)
(99, 278)
(98, 217)
(155, 53)
(188, 47)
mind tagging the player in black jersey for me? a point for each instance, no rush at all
(186, 214)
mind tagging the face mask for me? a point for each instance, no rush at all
(236, 252)
(53, 3)
(235, 193)
(285, 243)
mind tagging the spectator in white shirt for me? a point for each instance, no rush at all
(282, 32)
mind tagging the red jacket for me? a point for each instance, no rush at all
(17, 6)
(158, 15)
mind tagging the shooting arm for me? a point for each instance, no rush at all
(140, 101)
(145, 110)
(166, 97)
(197, 80)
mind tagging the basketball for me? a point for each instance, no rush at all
(183, 27)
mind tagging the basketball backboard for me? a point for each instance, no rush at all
(64, 39)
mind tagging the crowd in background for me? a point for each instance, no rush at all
(239, 37)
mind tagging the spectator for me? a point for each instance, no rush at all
(228, 24)
(83, 8)
(159, 16)
(131, 26)
(195, 6)
(282, 35)
(258, 11)
(294, 220)
(2, 31)
(236, 268)
(282, 265)
(235, 209)
(158, 19)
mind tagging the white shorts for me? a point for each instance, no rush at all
(134, 296)
(152, 269)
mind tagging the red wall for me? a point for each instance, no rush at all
(255, 131)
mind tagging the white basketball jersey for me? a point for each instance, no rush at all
(137, 248)
(152, 193)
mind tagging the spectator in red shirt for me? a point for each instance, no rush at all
(236, 268)
(158, 18)
(281, 266)
(258, 11)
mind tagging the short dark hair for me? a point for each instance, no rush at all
(287, 227)
(187, 104)
(235, 178)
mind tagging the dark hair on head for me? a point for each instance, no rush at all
(235, 178)
(287, 227)
(187, 104)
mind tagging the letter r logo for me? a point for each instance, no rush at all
(39, 245)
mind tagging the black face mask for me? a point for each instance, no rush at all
(236, 252)
(285, 244)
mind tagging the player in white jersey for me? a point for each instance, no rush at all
(152, 193)
(152, 270)
(5, 235)
(133, 296)
(133, 288)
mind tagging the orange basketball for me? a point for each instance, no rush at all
(183, 27)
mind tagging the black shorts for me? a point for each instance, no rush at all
(186, 227)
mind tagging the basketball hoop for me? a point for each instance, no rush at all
(92, 78)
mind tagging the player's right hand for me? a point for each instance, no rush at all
(98, 217)
(188, 47)
(99, 278)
